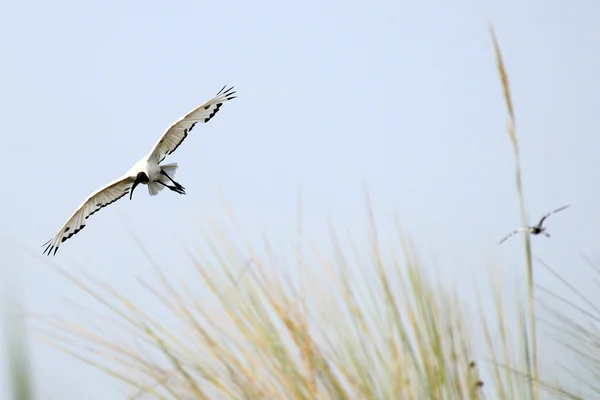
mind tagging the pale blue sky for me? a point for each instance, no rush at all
(404, 95)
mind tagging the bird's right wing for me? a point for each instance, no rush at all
(97, 200)
(520, 229)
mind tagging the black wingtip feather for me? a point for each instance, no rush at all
(227, 93)
(48, 249)
(221, 90)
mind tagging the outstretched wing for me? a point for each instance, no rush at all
(520, 229)
(178, 131)
(97, 200)
(550, 213)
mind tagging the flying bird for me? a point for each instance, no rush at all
(147, 171)
(534, 229)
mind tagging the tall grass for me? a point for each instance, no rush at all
(531, 355)
(349, 322)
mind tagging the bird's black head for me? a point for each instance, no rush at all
(140, 178)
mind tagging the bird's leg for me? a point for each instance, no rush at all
(171, 179)
(173, 188)
(547, 234)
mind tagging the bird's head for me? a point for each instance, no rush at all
(141, 177)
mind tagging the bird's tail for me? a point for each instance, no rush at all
(169, 170)
(154, 188)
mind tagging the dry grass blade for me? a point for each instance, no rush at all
(531, 356)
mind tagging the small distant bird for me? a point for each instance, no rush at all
(147, 171)
(535, 229)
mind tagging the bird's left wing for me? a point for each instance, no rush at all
(96, 201)
(178, 131)
(550, 213)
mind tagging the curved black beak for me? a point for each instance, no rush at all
(137, 182)
(141, 177)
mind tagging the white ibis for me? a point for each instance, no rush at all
(148, 171)
(534, 229)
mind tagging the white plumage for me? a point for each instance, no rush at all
(147, 171)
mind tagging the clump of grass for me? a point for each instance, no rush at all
(378, 328)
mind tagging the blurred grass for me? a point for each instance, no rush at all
(20, 375)
(574, 328)
(365, 323)
(16, 337)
